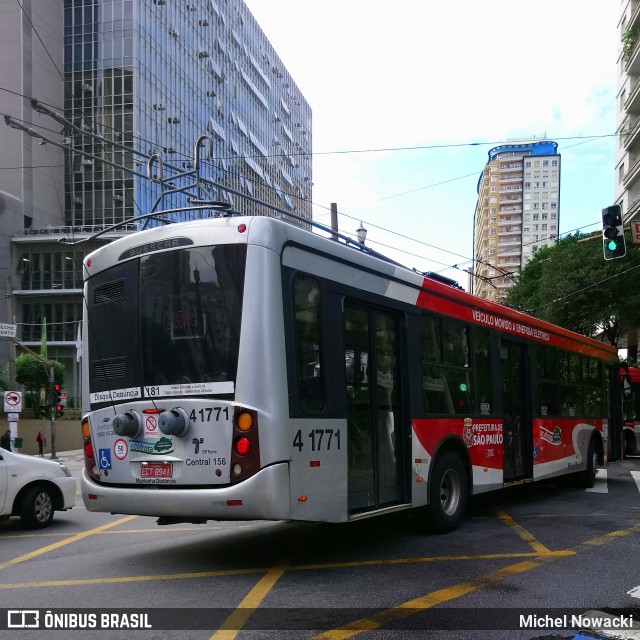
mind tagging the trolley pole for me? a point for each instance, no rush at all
(334, 221)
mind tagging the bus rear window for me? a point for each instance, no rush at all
(190, 310)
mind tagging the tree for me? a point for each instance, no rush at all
(572, 285)
(33, 374)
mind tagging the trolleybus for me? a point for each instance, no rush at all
(242, 368)
(631, 409)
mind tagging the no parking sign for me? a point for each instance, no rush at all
(12, 401)
(635, 231)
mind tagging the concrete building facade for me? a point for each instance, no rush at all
(517, 212)
(133, 78)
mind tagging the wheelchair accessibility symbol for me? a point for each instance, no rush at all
(104, 456)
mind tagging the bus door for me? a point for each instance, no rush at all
(374, 416)
(516, 412)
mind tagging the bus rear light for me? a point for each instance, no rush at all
(152, 411)
(92, 496)
(242, 228)
(245, 450)
(245, 421)
(86, 429)
(234, 503)
(88, 450)
(302, 498)
(243, 446)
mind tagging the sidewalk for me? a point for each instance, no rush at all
(72, 459)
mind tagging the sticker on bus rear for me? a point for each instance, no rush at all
(115, 395)
(188, 389)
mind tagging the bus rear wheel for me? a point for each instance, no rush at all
(448, 494)
(588, 476)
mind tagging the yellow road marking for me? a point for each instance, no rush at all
(430, 600)
(62, 543)
(232, 625)
(523, 533)
(308, 567)
(125, 579)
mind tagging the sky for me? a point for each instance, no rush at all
(408, 96)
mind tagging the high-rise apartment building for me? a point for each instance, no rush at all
(134, 78)
(627, 169)
(627, 192)
(518, 211)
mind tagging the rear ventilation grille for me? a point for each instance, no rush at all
(108, 292)
(107, 369)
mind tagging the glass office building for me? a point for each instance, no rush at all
(153, 76)
(147, 77)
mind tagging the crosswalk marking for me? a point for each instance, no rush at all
(601, 482)
(636, 476)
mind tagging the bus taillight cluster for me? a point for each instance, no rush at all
(89, 453)
(245, 453)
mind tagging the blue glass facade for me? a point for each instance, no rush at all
(154, 75)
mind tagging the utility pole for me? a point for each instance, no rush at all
(50, 375)
(53, 415)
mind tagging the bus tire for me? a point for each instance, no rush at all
(588, 476)
(629, 443)
(448, 494)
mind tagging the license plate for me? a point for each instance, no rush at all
(156, 470)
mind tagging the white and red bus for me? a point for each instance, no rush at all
(630, 377)
(243, 368)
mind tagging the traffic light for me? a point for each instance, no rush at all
(45, 411)
(613, 233)
(57, 399)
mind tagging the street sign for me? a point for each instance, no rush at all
(12, 401)
(63, 398)
(635, 231)
(7, 330)
(13, 417)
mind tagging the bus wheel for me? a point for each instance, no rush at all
(629, 443)
(448, 493)
(588, 476)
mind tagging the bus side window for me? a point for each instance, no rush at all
(308, 343)
(446, 386)
(482, 370)
(547, 376)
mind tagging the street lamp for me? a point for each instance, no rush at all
(361, 234)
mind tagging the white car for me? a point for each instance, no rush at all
(33, 488)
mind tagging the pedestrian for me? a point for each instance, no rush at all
(41, 443)
(5, 440)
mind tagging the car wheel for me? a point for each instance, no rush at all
(36, 507)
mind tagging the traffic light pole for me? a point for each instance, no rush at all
(53, 417)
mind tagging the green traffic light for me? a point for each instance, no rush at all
(612, 245)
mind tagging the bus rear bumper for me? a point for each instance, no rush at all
(264, 496)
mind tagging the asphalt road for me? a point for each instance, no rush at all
(539, 552)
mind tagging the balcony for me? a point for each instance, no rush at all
(632, 103)
(511, 177)
(632, 174)
(631, 55)
(512, 208)
(629, 130)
